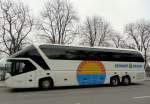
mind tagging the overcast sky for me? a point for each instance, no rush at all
(117, 12)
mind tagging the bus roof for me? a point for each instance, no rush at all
(91, 48)
(107, 49)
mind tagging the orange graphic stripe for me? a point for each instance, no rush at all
(91, 72)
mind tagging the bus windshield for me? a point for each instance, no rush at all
(32, 53)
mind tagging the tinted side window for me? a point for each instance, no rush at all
(78, 54)
(99, 55)
(65, 54)
(127, 57)
(137, 57)
(35, 56)
(73, 54)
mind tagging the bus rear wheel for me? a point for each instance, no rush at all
(114, 81)
(126, 80)
(46, 84)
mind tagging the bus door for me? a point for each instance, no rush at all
(22, 72)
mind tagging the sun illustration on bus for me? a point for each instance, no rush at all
(91, 72)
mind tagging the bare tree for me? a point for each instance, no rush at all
(15, 25)
(133, 36)
(117, 40)
(57, 22)
(139, 34)
(95, 31)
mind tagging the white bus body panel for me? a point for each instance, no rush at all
(25, 80)
(64, 73)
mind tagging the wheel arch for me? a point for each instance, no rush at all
(126, 76)
(115, 76)
(46, 78)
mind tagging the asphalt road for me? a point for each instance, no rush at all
(133, 94)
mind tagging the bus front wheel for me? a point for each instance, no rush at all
(45, 84)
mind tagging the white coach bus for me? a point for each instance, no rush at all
(47, 66)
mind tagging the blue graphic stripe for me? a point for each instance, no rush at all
(91, 79)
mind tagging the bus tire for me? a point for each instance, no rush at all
(46, 84)
(114, 81)
(126, 80)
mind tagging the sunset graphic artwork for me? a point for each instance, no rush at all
(91, 72)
